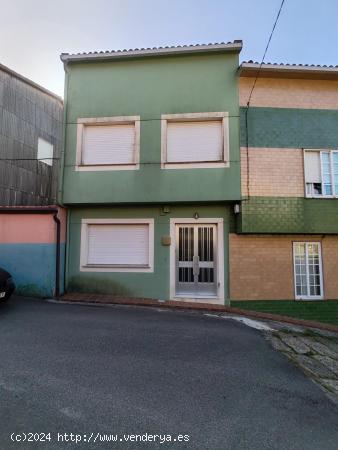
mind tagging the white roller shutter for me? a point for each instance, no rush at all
(194, 141)
(108, 144)
(312, 167)
(120, 244)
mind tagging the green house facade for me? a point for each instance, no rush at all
(151, 171)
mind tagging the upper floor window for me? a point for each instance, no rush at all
(195, 140)
(321, 173)
(108, 143)
(45, 152)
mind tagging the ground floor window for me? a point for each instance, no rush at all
(308, 270)
(117, 245)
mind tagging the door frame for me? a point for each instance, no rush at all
(219, 299)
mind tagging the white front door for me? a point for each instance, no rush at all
(195, 260)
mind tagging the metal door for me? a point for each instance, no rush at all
(196, 256)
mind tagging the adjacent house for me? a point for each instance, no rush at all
(151, 171)
(286, 241)
(31, 226)
(30, 141)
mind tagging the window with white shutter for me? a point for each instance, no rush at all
(108, 143)
(321, 173)
(312, 169)
(117, 245)
(195, 140)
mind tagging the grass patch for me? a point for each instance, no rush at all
(318, 311)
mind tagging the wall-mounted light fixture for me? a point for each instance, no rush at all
(196, 215)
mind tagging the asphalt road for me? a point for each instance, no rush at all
(82, 370)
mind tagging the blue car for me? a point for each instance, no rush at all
(7, 285)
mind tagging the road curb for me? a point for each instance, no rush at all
(102, 299)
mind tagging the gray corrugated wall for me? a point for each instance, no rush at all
(26, 114)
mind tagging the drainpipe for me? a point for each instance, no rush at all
(57, 260)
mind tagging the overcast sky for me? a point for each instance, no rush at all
(33, 33)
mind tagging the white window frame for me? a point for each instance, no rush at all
(331, 152)
(308, 297)
(48, 161)
(195, 117)
(88, 121)
(84, 267)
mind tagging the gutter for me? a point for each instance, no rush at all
(64, 134)
(28, 209)
(58, 253)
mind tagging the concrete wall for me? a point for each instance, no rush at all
(28, 251)
(261, 266)
(27, 113)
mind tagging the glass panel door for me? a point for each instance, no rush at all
(185, 279)
(196, 250)
(307, 270)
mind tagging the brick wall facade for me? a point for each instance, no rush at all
(289, 93)
(261, 266)
(274, 172)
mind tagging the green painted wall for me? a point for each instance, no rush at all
(153, 285)
(288, 215)
(290, 128)
(150, 87)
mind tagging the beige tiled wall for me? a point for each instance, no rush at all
(261, 266)
(289, 93)
(274, 172)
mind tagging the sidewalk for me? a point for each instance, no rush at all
(107, 299)
(316, 355)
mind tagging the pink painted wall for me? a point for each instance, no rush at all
(31, 228)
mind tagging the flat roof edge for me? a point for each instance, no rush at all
(236, 46)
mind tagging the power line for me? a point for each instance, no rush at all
(30, 159)
(249, 99)
(141, 120)
(265, 52)
(154, 163)
(146, 163)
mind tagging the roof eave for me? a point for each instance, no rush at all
(234, 47)
(287, 71)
